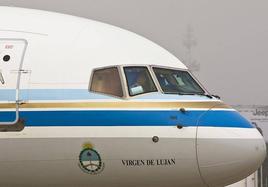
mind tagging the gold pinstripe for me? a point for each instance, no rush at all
(138, 105)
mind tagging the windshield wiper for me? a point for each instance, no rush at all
(202, 94)
(183, 93)
(179, 93)
(209, 96)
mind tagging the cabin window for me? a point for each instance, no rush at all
(107, 81)
(139, 80)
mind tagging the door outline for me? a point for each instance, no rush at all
(16, 101)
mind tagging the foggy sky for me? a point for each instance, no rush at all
(231, 36)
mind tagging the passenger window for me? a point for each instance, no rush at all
(107, 81)
(139, 80)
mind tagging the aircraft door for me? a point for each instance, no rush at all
(11, 58)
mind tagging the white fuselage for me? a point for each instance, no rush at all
(55, 132)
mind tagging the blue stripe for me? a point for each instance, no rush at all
(130, 118)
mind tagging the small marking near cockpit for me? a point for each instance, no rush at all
(9, 46)
(173, 117)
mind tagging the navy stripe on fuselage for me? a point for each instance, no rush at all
(129, 118)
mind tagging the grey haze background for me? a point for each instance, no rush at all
(231, 36)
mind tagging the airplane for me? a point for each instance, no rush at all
(84, 103)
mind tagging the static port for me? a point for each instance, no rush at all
(6, 58)
(155, 139)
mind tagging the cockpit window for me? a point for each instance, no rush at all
(139, 80)
(107, 81)
(177, 81)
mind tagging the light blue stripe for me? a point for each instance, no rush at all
(7, 95)
(51, 94)
(83, 94)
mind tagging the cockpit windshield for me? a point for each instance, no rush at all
(139, 80)
(177, 81)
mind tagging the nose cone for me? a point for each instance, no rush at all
(229, 149)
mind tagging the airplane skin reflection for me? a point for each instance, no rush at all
(83, 103)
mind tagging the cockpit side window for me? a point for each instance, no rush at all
(107, 81)
(139, 80)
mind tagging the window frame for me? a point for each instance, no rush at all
(120, 77)
(126, 82)
(123, 79)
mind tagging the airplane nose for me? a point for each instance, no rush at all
(228, 147)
